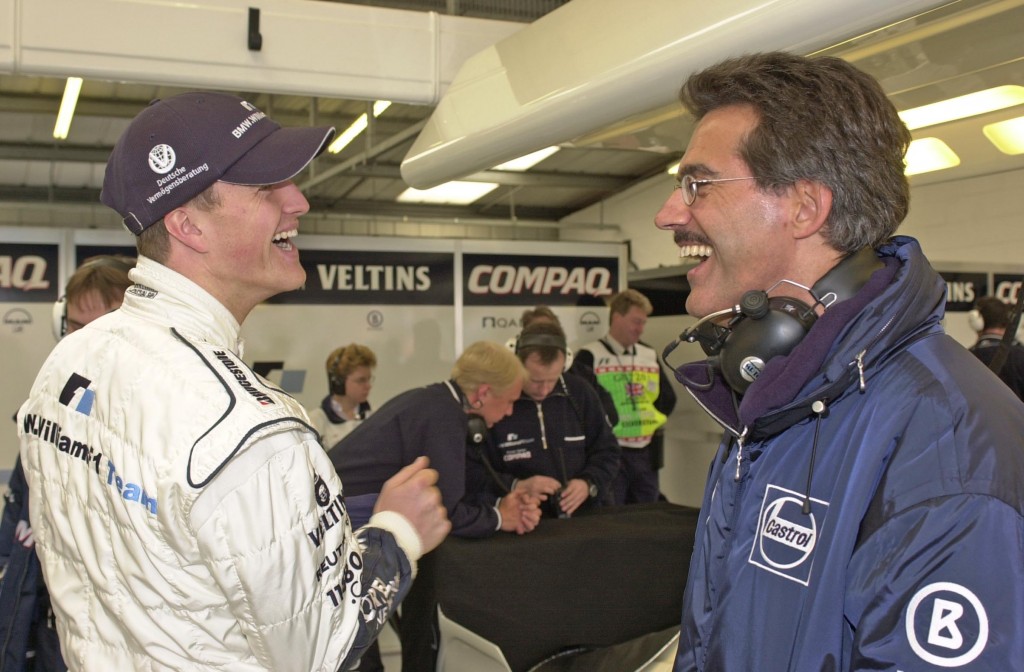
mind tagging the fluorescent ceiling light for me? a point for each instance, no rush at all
(928, 154)
(67, 108)
(357, 127)
(528, 161)
(960, 107)
(453, 193)
(1007, 136)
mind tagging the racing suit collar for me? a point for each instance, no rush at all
(178, 302)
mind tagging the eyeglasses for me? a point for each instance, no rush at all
(367, 380)
(689, 185)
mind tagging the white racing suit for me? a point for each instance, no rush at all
(184, 512)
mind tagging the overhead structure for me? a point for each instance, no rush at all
(593, 63)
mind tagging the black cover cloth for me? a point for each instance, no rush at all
(591, 581)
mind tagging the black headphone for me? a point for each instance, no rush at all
(59, 315)
(477, 431)
(761, 328)
(335, 382)
(525, 341)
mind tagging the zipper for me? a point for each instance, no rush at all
(543, 430)
(739, 452)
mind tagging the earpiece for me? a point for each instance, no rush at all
(477, 429)
(975, 321)
(335, 382)
(525, 341)
(763, 327)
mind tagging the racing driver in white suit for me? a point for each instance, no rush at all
(184, 511)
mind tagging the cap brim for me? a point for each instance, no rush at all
(280, 156)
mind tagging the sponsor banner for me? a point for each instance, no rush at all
(28, 272)
(582, 324)
(528, 280)
(83, 252)
(357, 277)
(1006, 287)
(29, 286)
(963, 289)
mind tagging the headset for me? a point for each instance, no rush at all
(335, 382)
(975, 321)
(59, 314)
(524, 341)
(762, 327)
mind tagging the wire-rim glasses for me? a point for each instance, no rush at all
(689, 185)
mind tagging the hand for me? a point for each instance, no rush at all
(520, 513)
(574, 494)
(23, 533)
(538, 487)
(413, 493)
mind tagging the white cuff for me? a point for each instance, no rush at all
(405, 534)
(497, 512)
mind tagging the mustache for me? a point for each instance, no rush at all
(689, 238)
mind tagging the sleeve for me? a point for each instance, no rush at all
(442, 438)
(602, 447)
(940, 585)
(306, 591)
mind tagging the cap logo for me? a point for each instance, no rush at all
(162, 159)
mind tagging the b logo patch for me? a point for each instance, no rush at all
(946, 624)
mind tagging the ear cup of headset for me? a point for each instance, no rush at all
(59, 321)
(337, 384)
(754, 340)
(477, 429)
(975, 321)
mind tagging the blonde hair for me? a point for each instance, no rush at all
(626, 299)
(485, 362)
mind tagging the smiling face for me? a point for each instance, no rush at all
(248, 256)
(733, 230)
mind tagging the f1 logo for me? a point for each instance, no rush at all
(946, 624)
(76, 394)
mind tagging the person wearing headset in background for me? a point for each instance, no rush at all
(630, 371)
(557, 445)
(185, 514)
(545, 314)
(991, 318)
(865, 508)
(26, 618)
(442, 421)
(349, 381)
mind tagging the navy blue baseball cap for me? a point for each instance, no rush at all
(178, 147)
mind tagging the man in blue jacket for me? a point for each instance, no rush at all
(865, 509)
(557, 444)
